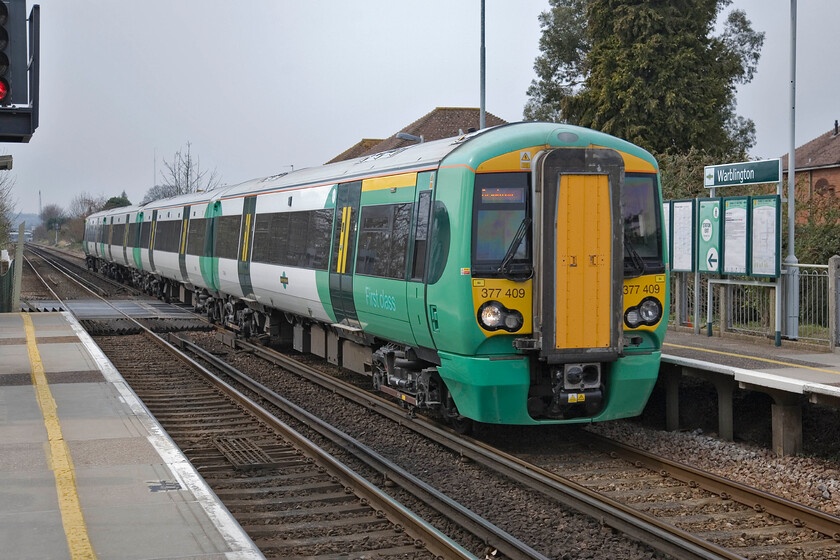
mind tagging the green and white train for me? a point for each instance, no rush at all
(514, 275)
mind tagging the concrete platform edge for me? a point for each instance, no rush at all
(241, 545)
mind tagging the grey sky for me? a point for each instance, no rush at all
(260, 85)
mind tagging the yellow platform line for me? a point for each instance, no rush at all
(58, 455)
(768, 360)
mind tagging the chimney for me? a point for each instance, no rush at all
(836, 131)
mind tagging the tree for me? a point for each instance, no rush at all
(648, 71)
(52, 218)
(182, 175)
(117, 202)
(84, 204)
(7, 206)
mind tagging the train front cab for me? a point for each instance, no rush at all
(579, 296)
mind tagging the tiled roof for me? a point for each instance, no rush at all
(822, 151)
(443, 122)
(357, 150)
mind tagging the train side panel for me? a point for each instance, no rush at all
(281, 275)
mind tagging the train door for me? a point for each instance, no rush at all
(581, 255)
(125, 241)
(416, 286)
(182, 246)
(100, 238)
(152, 242)
(246, 234)
(109, 231)
(209, 264)
(136, 241)
(345, 225)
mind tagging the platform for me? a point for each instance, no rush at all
(788, 374)
(85, 471)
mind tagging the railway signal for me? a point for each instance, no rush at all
(19, 63)
(13, 63)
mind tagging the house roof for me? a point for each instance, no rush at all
(442, 122)
(357, 150)
(822, 151)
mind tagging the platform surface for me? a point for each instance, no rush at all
(758, 362)
(85, 471)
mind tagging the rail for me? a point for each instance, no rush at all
(435, 541)
(638, 525)
(483, 529)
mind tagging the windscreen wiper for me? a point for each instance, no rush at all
(636, 259)
(514, 246)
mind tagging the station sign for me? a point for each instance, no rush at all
(708, 235)
(746, 173)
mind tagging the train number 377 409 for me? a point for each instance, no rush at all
(646, 289)
(513, 293)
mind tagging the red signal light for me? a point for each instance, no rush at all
(4, 89)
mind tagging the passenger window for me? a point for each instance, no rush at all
(383, 240)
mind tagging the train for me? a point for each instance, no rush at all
(511, 275)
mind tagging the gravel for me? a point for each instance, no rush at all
(553, 529)
(812, 481)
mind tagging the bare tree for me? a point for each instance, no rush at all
(182, 175)
(7, 205)
(84, 204)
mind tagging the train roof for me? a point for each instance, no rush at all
(483, 143)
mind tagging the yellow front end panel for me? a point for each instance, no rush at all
(513, 295)
(584, 223)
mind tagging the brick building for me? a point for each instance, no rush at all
(442, 122)
(817, 168)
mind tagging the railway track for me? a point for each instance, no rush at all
(77, 272)
(742, 519)
(293, 499)
(681, 511)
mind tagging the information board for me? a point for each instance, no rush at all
(735, 235)
(682, 230)
(766, 239)
(708, 235)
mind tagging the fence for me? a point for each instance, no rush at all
(744, 305)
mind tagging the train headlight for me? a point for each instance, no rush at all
(492, 316)
(648, 312)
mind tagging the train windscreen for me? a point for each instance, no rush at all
(501, 208)
(642, 219)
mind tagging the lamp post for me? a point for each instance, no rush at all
(481, 119)
(792, 291)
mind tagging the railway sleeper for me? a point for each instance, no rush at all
(403, 372)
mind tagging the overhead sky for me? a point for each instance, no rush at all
(262, 85)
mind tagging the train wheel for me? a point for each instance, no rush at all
(460, 424)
